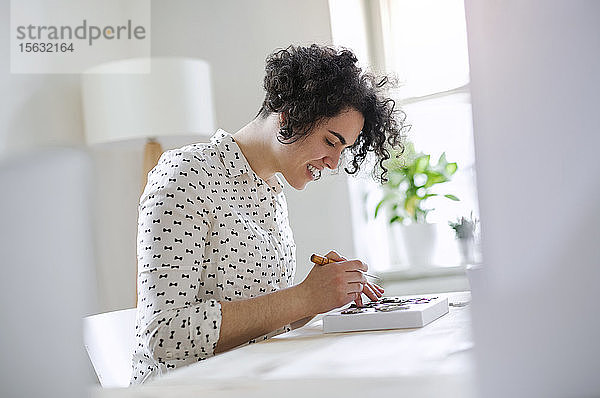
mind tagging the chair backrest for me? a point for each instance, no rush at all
(109, 339)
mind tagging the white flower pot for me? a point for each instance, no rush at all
(417, 246)
(467, 250)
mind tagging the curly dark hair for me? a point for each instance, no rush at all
(309, 84)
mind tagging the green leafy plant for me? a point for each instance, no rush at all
(410, 180)
(464, 228)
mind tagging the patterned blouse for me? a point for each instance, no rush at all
(209, 230)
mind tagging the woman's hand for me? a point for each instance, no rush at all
(333, 285)
(371, 290)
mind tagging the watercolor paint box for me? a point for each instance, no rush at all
(388, 313)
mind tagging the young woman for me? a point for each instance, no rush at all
(216, 254)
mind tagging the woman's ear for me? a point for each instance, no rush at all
(282, 118)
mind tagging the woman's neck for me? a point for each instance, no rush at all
(256, 141)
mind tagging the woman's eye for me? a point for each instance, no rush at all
(329, 142)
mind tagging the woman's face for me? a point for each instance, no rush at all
(303, 160)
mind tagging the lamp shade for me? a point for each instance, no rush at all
(141, 98)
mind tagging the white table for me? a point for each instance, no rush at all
(435, 360)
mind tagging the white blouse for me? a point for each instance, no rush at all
(209, 230)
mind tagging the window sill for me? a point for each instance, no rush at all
(422, 273)
(424, 280)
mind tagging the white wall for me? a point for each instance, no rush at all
(234, 36)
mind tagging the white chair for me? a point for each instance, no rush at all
(109, 339)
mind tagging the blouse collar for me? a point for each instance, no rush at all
(236, 163)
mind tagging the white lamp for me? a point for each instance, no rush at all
(141, 99)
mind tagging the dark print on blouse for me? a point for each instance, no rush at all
(209, 230)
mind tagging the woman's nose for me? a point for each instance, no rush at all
(332, 161)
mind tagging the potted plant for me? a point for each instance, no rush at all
(464, 230)
(411, 179)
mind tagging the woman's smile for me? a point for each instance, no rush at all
(313, 172)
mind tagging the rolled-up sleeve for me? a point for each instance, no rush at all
(174, 323)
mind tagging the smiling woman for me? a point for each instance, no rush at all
(302, 160)
(216, 254)
(308, 85)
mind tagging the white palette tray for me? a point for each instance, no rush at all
(397, 312)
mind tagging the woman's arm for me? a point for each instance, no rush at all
(325, 288)
(301, 322)
(245, 320)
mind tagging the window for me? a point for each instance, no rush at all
(423, 43)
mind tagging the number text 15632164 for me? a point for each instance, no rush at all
(46, 47)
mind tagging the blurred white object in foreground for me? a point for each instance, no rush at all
(535, 92)
(47, 259)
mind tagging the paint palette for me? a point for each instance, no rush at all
(387, 313)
